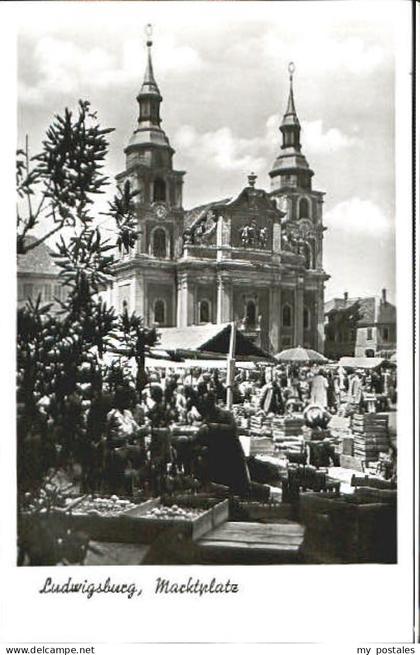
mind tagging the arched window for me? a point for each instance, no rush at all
(159, 243)
(159, 312)
(303, 208)
(204, 311)
(287, 316)
(251, 313)
(159, 190)
(306, 319)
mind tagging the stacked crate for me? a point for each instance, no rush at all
(371, 436)
(261, 425)
(288, 435)
(287, 426)
(261, 446)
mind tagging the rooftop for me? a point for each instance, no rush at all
(38, 260)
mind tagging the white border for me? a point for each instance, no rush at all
(358, 604)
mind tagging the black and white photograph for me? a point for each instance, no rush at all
(208, 370)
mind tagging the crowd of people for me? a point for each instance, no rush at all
(118, 439)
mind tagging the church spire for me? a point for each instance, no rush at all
(149, 135)
(291, 168)
(290, 127)
(291, 110)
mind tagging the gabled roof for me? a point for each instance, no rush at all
(38, 260)
(369, 307)
(209, 338)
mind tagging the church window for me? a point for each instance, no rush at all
(251, 314)
(306, 319)
(369, 334)
(159, 311)
(287, 316)
(124, 296)
(159, 190)
(28, 291)
(303, 208)
(159, 243)
(204, 311)
(46, 295)
(385, 334)
(57, 291)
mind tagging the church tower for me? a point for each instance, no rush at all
(302, 233)
(146, 276)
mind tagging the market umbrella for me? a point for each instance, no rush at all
(300, 354)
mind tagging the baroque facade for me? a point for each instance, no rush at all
(255, 258)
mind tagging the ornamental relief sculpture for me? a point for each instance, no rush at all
(202, 230)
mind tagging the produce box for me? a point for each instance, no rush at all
(193, 518)
(96, 520)
(348, 530)
(263, 512)
(132, 524)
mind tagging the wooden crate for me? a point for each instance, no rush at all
(150, 528)
(344, 531)
(253, 543)
(132, 526)
(263, 512)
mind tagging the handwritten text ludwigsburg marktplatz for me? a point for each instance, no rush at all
(193, 586)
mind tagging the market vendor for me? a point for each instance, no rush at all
(125, 440)
(222, 456)
(271, 400)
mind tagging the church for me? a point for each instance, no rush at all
(254, 258)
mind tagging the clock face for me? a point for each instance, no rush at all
(161, 211)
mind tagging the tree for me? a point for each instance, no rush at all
(134, 341)
(56, 354)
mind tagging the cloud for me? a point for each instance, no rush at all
(352, 54)
(228, 152)
(63, 66)
(316, 140)
(356, 216)
(221, 148)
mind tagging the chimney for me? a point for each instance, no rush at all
(384, 295)
(346, 295)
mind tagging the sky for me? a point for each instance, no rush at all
(222, 72)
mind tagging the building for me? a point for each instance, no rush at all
(360, 327)
(37, 276)
(254, 258)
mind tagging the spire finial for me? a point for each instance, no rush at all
(148, 30)
(291, 68)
